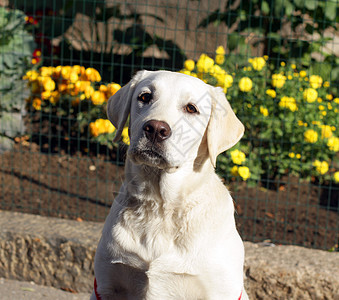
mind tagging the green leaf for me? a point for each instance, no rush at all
(331, 10)
(234, 40)
(310, 4)
(288, 8)
(265, 8)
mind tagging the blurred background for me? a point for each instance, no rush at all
(277, 61)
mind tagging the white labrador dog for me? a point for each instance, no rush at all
(171, 233)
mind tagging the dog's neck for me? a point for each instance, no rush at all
(166, 187)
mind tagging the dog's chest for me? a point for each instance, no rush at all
(148, 232)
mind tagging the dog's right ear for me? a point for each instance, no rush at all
(119, 105)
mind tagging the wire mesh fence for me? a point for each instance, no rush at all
(277, 61)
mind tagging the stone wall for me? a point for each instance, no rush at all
(60, 253)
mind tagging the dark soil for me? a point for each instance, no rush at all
(82, 185)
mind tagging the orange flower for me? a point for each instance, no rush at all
(92, 74)
(112, 88)
(98, 98)
(36, 103)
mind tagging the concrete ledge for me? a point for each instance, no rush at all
(60, 253)
(49, 251)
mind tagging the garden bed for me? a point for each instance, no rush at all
(81, 186)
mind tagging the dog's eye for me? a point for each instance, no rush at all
(191, 108)
(145, 97)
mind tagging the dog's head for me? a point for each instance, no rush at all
(172, 116)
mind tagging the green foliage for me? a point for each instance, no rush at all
(290, 116)
(16, 48)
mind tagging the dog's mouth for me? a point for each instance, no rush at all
(148, 155)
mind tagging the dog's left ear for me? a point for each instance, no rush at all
(224, 128)
(119, 105)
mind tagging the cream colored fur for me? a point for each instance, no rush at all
(171, 231)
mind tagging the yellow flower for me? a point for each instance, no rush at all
(244, 173)
(316, 81)
(288, 102)
(220, 59)
(45, 95)
(36, 103)
(204, 64)
(278, 80)
(73, 77)
(89, 90)
(79, 70)
(109, 128)
(329, 97)
(283, 64)
(220, 50)
(184, 71)
(125, 136)
(103, 88)
(224, 80)
(333, 144)
(310, 136)
(54, 98)
(319, 100)
(321, 166)
(82, 85)
(264, 111)
(271, 93)
(92, 75)
(326, 84)
(321, 107)
(234, 171)
(31, 75)
(65, 72)
(245, 84)
(336, 100)
(336, 176)
(310, 95)
(302, 73)
(265, 57)
(46, 71)
(98, 98)
(257, 63)
(238, 157)
(112, 88)
(298, 156)
(291, 154)
(48, 84)
(293, 66)
(326, 131)
(228, 81)
(189, 64)
(220, 55)
(101, 126)
(217, 71)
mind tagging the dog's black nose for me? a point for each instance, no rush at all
(157, 131)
